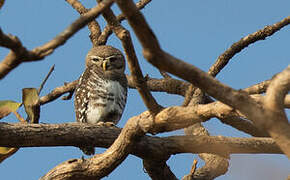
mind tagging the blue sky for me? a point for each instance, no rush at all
(195, 31)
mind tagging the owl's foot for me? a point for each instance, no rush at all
(106, 124)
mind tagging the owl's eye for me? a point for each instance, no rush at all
(113, 59)
(95, 59)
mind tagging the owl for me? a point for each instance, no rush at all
(101, 93)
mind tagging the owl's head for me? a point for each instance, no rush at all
(106, 58)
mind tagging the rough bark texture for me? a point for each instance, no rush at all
(247, 110)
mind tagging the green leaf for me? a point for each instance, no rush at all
(30, 100)
(6, 152)
(6, 107)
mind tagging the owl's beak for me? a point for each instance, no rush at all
(105, 65)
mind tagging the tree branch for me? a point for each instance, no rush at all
(137, 75)
(158, 170)
(258, 88)
(267, 31)
(215, 164)
(19, 54)
(155, 55)
(277, 123)
(58, 91)
(148, 147)
(108, 29)
(93, 26)
(100, 165)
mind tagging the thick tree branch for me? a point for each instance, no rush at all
(277, 123)
(155, 55)
(19, 54)
(215, 164)
(76, 134)
(224, 58)
(101, 165)
(158, 170)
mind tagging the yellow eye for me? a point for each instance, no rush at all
(95, 59)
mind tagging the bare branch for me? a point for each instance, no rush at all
(192, 171)
(108, 29)
(45, 79)
(93, 26)
(215, 164)
(158, 170)
(101, 165)
(162, 60)
(224, 58)
(75, 134)
(276, 122)
(137, 75)
(19, 54)
(58, 91)
(169, 85)
(258, 88)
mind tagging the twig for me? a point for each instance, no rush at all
(18, 116)
(193, 167)
(258, 88)
(45, 79)
(164, 74)
(58, 91)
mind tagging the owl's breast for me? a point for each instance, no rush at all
(106, 98)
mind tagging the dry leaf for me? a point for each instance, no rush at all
(6, 152)
(6, 107)
(30, 100)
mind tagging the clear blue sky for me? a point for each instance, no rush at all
(195, 31)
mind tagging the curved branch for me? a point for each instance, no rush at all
(158, 170)
(216, 164)
(224, 58)
(239, 100)
(277, 123)
(100, 165)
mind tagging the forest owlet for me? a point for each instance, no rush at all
(101, 93)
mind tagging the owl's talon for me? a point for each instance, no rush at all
(101, 123)
(106, 124)
(109, 124)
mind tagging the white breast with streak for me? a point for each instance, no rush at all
(116, 92)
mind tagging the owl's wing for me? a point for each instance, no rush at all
(81, 99)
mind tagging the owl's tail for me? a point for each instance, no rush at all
(88, 150)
